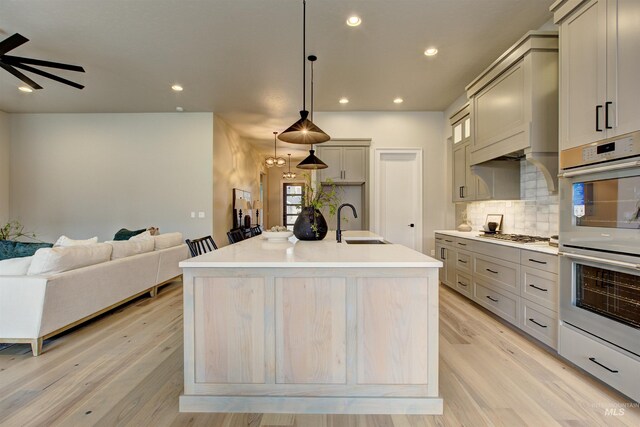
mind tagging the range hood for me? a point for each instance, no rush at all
(514, 106)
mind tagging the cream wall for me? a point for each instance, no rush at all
(87, 175)
(4, 167)
(236, 165)
(402, 130)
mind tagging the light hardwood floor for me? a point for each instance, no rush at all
(125, 368)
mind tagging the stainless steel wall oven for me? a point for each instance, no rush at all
(600, 240)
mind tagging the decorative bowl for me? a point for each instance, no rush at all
(277, 236)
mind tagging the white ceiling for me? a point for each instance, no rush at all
(242, 59)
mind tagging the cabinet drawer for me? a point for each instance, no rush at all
(500, 302)
(600, 360)
(464, 244)
(540, 287)
(541, 261)
(464, 261)
(463, 284)
(497, 272)
(540, 323)
(497, 251)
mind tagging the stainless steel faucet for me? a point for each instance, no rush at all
(355, 215)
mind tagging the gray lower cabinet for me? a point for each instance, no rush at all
(520, 286)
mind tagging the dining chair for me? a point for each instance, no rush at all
(235, 235)
(201, 246)
(256, 231)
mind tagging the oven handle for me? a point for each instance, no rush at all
(618, 166)
(600, 260)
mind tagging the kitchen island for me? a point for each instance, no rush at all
(311, 327)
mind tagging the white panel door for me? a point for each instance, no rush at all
(398, 197)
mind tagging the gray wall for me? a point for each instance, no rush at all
(87, 175)
(4, 167)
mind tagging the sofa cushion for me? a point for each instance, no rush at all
(144, 235)
(60, 259)
(15, 266)
(65, 241)
(167, 240)
(123, 249)
(124, 234)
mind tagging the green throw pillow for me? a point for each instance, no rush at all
(124, 234)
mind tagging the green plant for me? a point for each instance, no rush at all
(322, 195)
(13, 230)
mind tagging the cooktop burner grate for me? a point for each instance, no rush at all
(518, 238)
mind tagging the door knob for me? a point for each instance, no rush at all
(411, 225)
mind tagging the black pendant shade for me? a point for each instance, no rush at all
(312, 162)
(304, 131)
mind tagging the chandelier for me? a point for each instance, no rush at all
(289, 175)
(275, 160)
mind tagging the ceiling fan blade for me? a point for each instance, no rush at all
(12, 42)
(21, 76)
(14, 60)
(48, 75)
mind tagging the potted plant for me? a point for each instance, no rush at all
(13, 230)
(311, 224)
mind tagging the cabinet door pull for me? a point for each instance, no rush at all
(494, 300)
(606, 114)
(462, 188)
(442, 253)
(464, 262)
(539, 324)
(536, 261)
(460, 192)
(540, 289)
(593, 359)
(462, 244)
(448, 241)
(598, 107)
(491, 271)
(462, 284)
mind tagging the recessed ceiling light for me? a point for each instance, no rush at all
(26, 89)
(177, 88)
(398, 100)
(179, 109)
(431, 51)
(343, 101)
(354, 21)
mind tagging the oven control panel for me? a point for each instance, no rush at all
(620, 147)
(608, 150)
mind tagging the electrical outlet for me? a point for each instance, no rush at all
(200, 214)
(193, 214)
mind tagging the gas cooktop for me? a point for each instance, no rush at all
(517, 238)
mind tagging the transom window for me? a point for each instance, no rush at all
(292, 196)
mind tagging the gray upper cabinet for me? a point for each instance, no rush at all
(346, 164)
(600, 65)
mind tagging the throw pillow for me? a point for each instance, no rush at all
(124, 234)
(57, 260)
(123, 249)
(142, 236)
(168, 240)
(65, 241)
(15, 266)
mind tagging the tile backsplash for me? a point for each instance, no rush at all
(536, 213)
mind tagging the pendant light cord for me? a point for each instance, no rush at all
(304, 54)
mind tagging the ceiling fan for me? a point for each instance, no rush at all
(10, 63)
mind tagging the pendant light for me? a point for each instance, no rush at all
(312, 162)
(289, 175)
(275, 160)
(304, 131)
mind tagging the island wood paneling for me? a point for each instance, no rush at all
(229, 330)
(310, 330)
(392, 335)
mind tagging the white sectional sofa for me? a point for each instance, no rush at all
(34, 307)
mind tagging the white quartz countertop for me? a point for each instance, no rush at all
(258, 252)
(475, 235)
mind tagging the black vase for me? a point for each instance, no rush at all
(303, 229)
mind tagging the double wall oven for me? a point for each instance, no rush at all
(600, 240)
